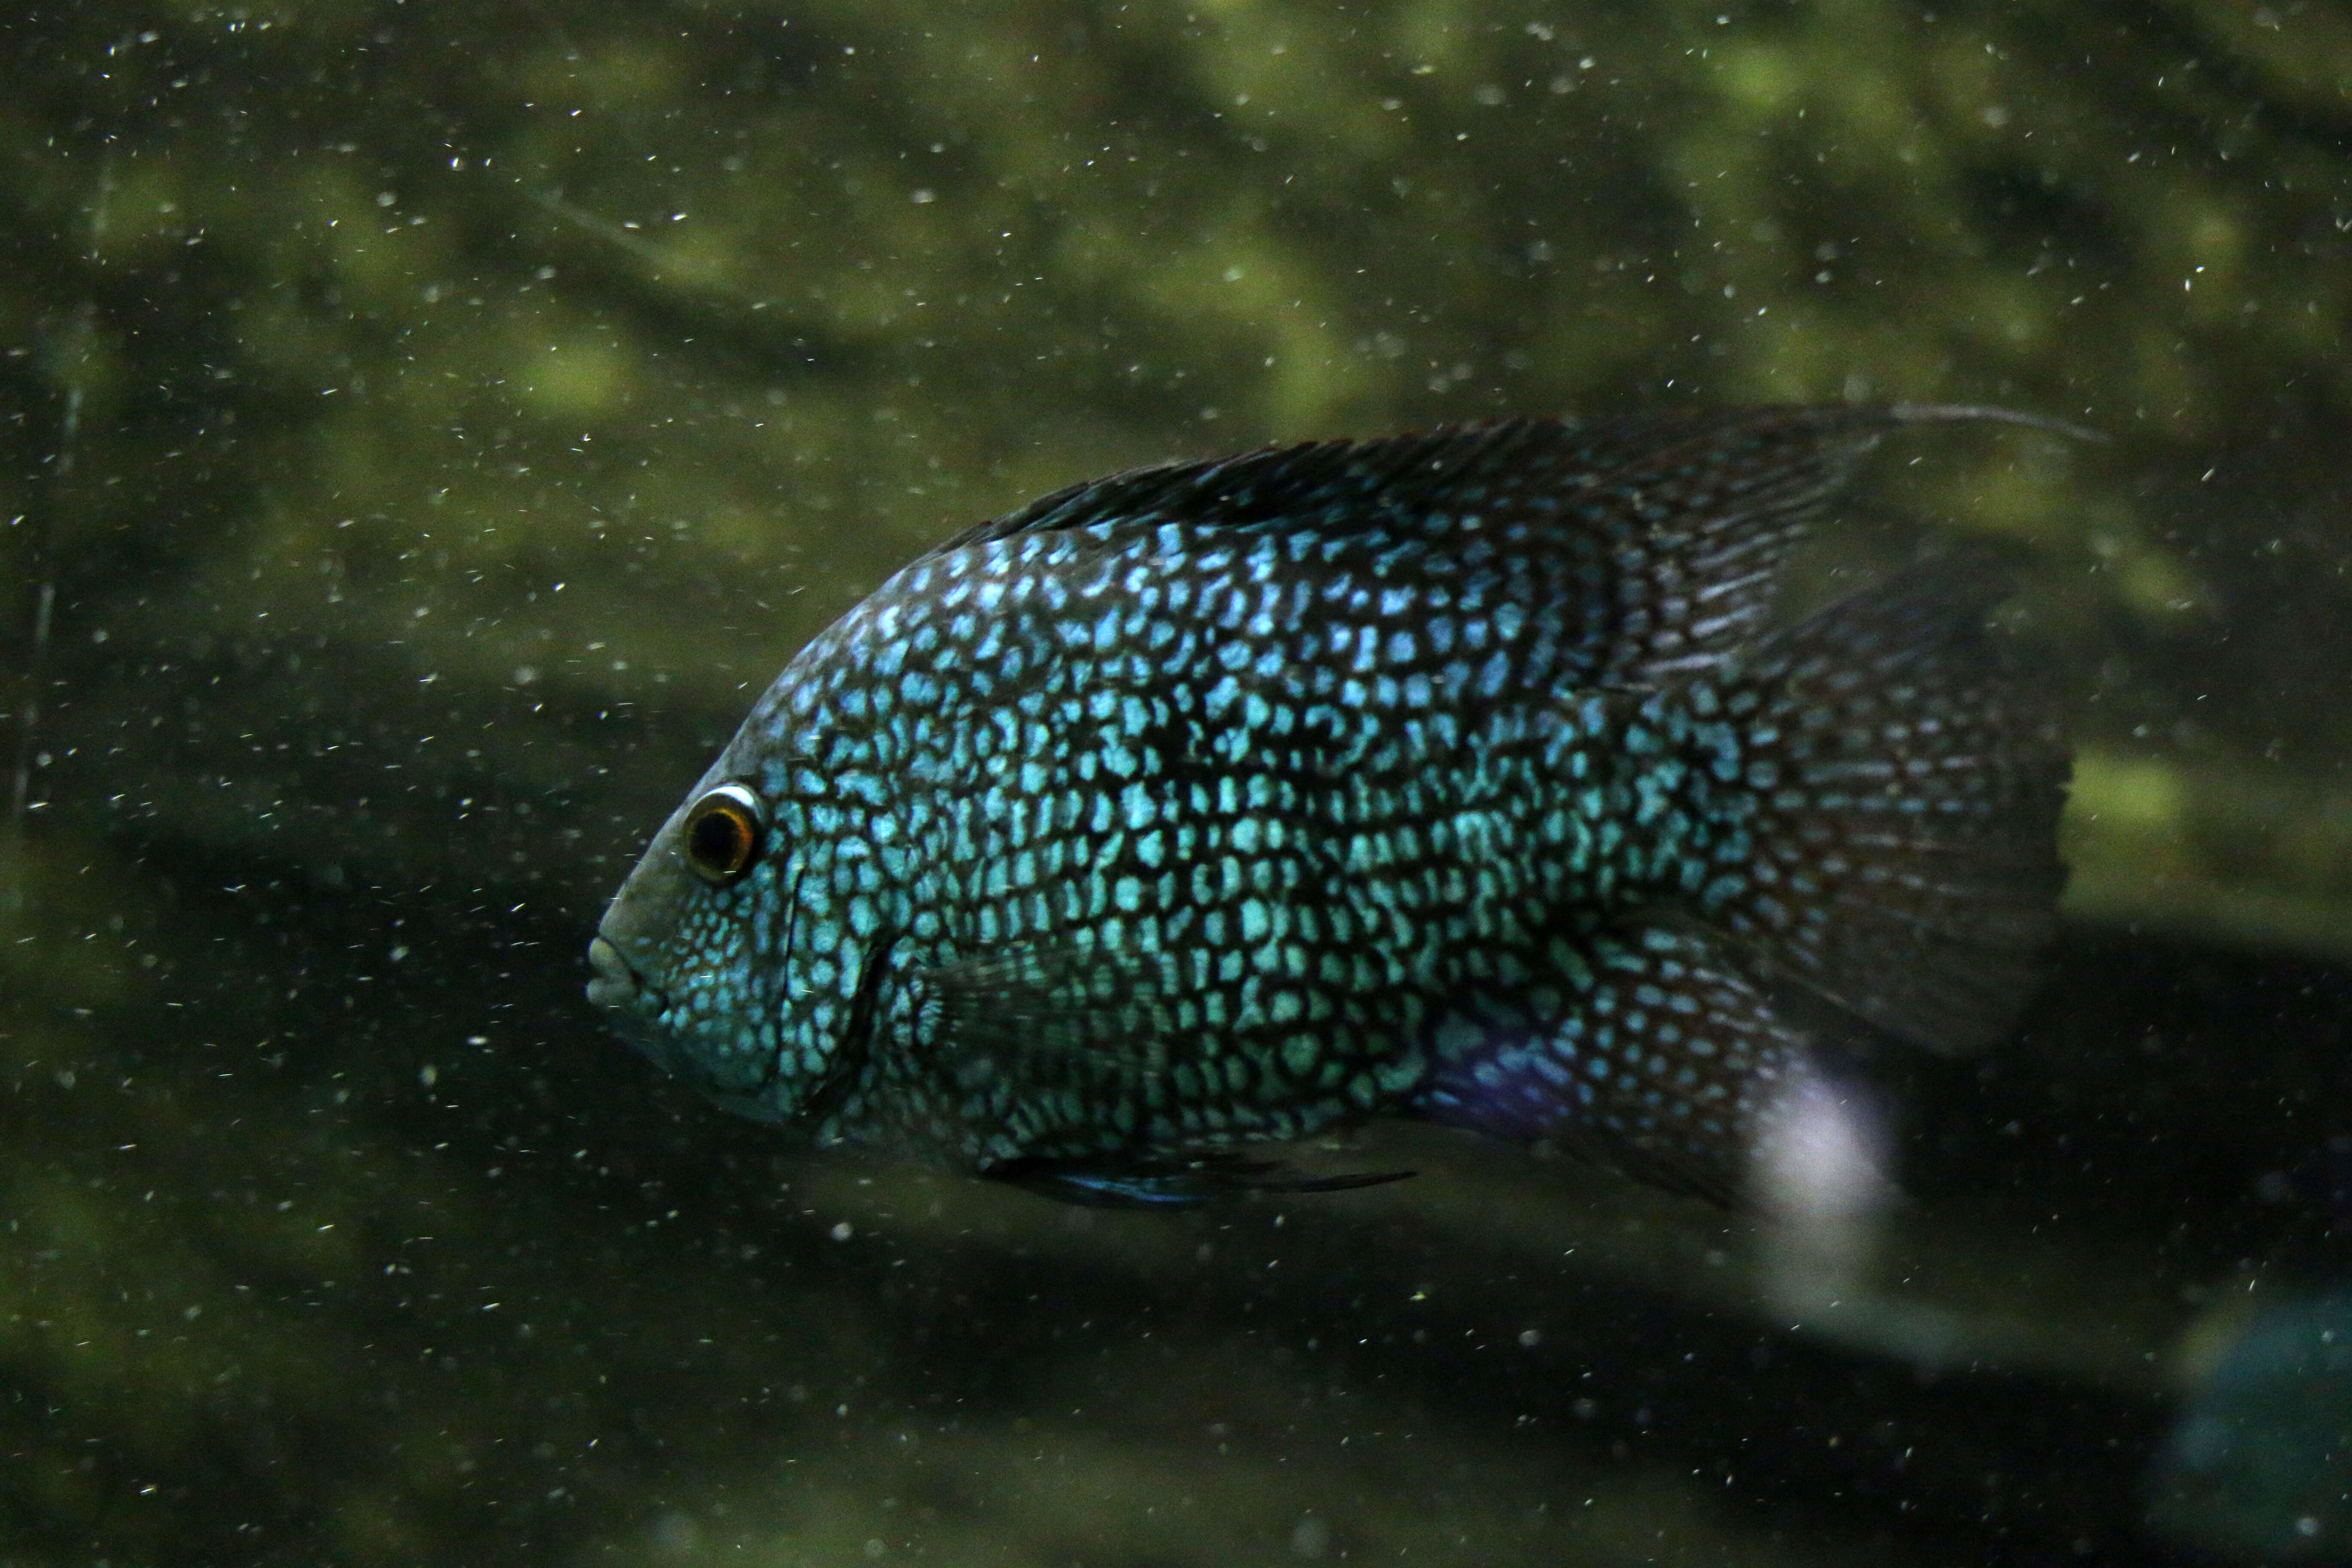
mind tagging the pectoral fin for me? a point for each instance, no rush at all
(1182, 1183)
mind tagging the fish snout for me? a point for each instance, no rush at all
(615, 984)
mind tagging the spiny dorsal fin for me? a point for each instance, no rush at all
(1678, 522)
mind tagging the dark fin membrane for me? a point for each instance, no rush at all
(1671, 1066)
(1176, 1182)
(1903, 785)
(1086, 1027)
(1674, 526)
(1048, 1002)
(1061, 1020)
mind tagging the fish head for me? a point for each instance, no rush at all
(690, 957)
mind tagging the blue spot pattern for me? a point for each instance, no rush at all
(1454, 775)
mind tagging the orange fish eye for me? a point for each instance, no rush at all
(723, 831)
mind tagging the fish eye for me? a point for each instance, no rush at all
(723, 831)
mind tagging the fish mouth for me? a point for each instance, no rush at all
(638, 1009)
(633, 1007)
(617, 985)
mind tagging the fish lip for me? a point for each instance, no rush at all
(638, 1010)
(617, 985)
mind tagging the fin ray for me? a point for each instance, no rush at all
(1669, 1065)
(1905, 784)
(1673, 529)
(1176, 1182)
(1035, 1012)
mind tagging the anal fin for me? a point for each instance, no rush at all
(1668, 1064)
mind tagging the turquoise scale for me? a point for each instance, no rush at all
(1455, 776)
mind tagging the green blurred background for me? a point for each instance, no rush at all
(428, 425)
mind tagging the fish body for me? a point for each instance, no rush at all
(1454, 776)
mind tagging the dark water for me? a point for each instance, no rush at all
(430, 429)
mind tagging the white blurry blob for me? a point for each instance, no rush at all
(1820, 1181)
(674, 1534)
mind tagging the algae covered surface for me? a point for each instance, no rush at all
(430, 427)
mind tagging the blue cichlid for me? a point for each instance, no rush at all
(1454, 776)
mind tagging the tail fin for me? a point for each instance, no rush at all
(1900, 785)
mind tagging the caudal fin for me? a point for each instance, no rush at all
(1900, 783)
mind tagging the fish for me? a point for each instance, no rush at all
(1467, 777)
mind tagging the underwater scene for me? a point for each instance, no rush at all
(1554, 783)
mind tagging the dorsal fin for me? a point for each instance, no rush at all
(1681, 522)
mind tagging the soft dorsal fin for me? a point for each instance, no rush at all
(1906, 864)
(1678, 522)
